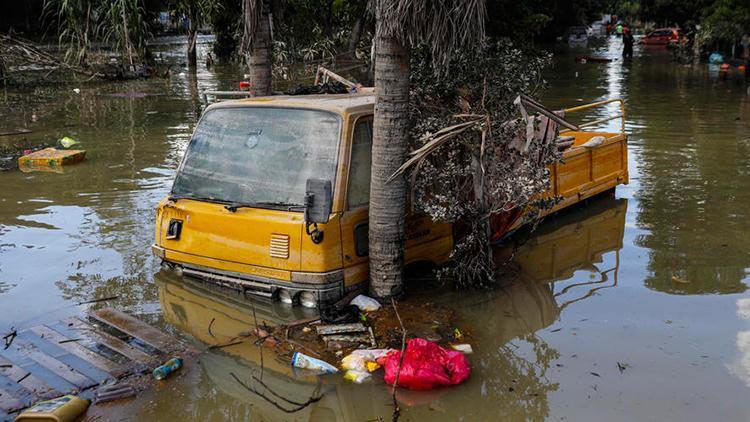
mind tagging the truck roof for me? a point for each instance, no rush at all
(337, 103)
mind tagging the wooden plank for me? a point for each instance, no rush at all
(74, 348)
(357, 327)
(27, 380)
(51, 349)
(136, 328)
(10, 403)
(58, 368)
(108, 340)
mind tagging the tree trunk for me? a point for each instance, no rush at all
(390, 136)
(258, 57)
(356, 35)
(192, 54)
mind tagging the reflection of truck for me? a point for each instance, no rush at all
(272, 196)
(191, 308)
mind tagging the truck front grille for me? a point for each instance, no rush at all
(279, 247)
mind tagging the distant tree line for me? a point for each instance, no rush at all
(714, 22)
(302, 29)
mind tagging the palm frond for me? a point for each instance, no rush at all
(442, 25)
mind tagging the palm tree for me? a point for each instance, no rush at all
(256, 44)
(442, 26)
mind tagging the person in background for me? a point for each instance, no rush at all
(627, 44)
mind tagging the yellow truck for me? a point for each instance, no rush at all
(272, 195)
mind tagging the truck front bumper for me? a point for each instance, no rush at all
(308, 289)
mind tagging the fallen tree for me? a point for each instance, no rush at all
(18, 55)
(479, 159)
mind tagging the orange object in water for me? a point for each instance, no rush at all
(50, 158)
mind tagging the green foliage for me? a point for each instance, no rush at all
(75, 26)
(727, 20)
(226, 22)
(123, 26)
(120, 23)
(525, 21)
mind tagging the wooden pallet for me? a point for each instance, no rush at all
(76, 354)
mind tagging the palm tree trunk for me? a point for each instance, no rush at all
(192, 41)
(192, 54)
(390, 136)
(259, 45)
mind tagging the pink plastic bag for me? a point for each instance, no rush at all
(426, 366)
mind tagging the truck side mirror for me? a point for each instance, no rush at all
(318, 198)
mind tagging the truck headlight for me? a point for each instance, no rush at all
(308, 299)
(285, 296)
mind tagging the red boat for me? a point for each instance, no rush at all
(662, 36)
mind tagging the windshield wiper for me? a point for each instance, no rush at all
(262, 204)
(175, 198)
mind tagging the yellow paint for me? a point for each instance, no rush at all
(240, 242)
(49, 159)
(62, 409)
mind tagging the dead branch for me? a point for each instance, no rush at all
(8, 338)
(209, 327)
(299, 407)
(18, 52)
(396, 408)
(104, 299)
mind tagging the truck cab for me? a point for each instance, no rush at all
(239, 211)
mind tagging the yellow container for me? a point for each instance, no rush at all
(50, 157)
(62, 409)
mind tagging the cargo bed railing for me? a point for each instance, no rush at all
(219, 95)
(597, 104)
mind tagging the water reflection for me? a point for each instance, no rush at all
(693, 196)
(192, 308)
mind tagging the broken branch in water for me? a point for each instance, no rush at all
(221, 346)
(8, 338)
(103, 299)
(299, 407)
(396, 408)
(209, 327)
(23, 377)
(19, 53)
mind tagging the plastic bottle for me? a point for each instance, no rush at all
(301, 360)
(169, 366)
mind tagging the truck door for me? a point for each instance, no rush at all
(354, 226)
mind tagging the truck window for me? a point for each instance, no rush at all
(259, 155)
(358, 193)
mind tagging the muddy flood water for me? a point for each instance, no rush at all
(632, 307)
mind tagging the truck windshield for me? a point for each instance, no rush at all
(254, 155)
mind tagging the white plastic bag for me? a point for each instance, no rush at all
(356, 363)
(365, 303)
(357, 360)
